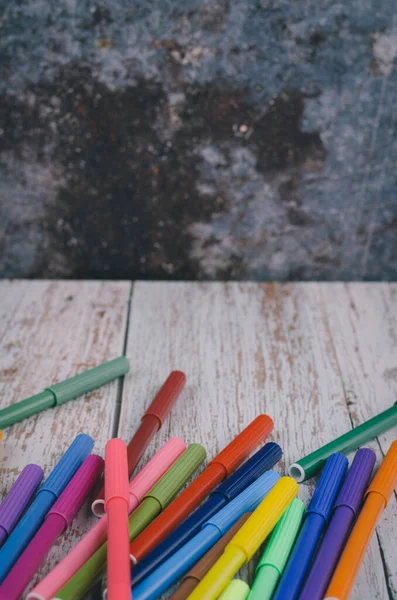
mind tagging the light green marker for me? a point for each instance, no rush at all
(236, 590)
(152, 504)
(274, 558)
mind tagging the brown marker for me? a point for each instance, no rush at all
(200, 569)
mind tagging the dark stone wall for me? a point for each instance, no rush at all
(219, 139)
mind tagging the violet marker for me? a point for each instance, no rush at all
(18, 498)
(345, 509)
(56, 522)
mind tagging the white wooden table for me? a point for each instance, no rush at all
(318, 358)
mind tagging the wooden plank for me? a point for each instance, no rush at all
(364, 319)
(57, 330)
(246, 349)
(12, 293)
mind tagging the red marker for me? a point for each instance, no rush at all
(152, 420)
(116, 507)
(217, 470)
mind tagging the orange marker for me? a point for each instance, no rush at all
(116, 507)
(377, 497)
(219, 468)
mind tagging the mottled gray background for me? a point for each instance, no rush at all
(198, 139)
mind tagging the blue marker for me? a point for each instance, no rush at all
(263, 460)
(315, 521)
(183, 559)
(45, 498)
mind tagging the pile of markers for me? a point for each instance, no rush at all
(148, 537)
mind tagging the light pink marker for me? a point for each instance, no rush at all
(139, 486)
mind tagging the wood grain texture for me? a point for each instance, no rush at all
(246, 348)
(364, 319)
(56, 330)
(318, 358)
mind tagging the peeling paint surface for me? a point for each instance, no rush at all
(230, 139)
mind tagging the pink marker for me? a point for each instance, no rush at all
(56, 522)
(139, 486)
(116, 507)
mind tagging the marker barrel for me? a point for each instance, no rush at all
(263, 460)
(376, 499)
(311, 464)
(218, 469)
(344, 511)
(51, 489)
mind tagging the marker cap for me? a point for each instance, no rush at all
(251, 535)
(89, 380)
(262, 460)
(356, 481)
(279, 546)
(328, 486)
(244, 443)
(166, 397)
(17, 499)
(68, 465)
(72, 498)
(149, 474)
(248, 500)
(170, 483)
(384, 481)
(116, 471)
(203, 566)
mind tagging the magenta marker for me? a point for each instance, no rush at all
(18, 498)
(56, 522)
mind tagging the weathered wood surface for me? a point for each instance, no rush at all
(55, 330)
(316, 357)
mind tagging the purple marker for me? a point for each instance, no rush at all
(56, 521)
(18, 498)
(345, 509)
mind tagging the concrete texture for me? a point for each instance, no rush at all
(199, 139)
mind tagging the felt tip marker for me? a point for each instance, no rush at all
(62, 392)
(247, 540)
(200, 569)
(183, 559)
(273, 560)
(86, 547)
(116, 507)
(260, 462)
(345, 510)
(217, 470)
(153, 502)
(151, 422)
(48, 493)
(56, 522)
(315, 521)
(313, 463)
(376, 499)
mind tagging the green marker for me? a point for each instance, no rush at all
(236, 590)
(274, 558)
(313, 463)
(62, 392)
(152, 504)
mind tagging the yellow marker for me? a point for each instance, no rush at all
(247, 540)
